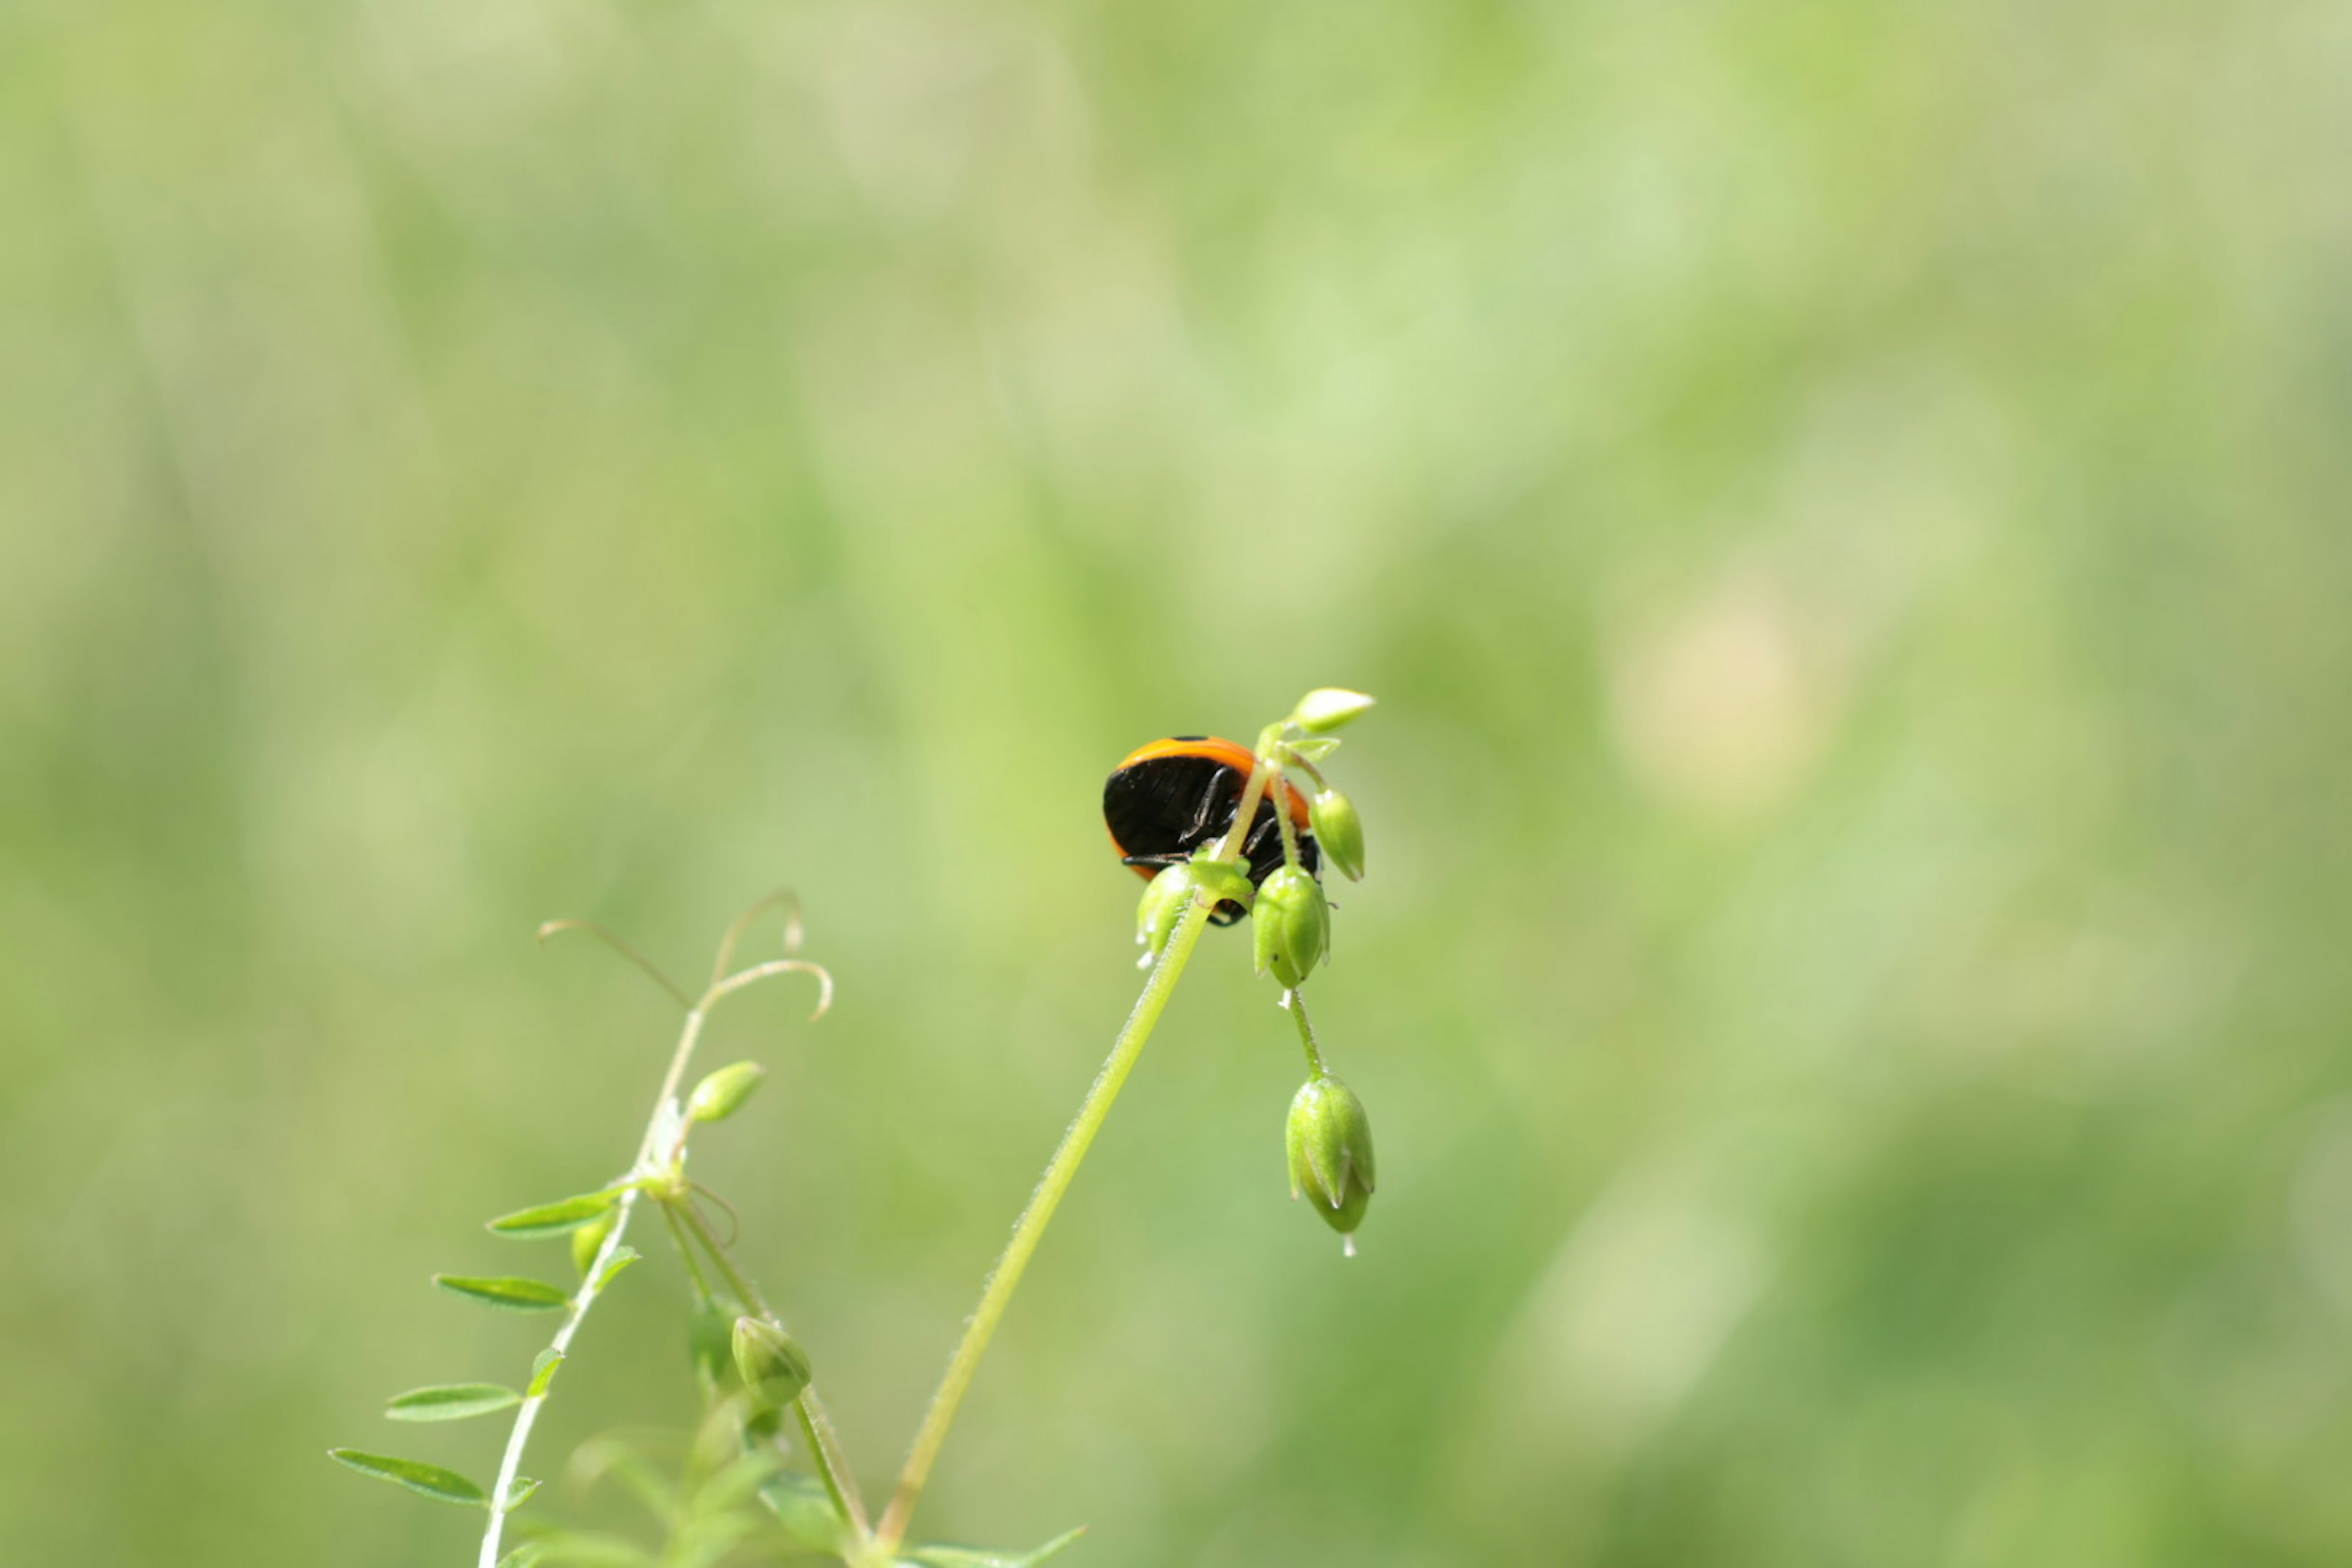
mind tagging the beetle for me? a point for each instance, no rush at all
(1169, 798)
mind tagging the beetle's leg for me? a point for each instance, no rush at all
(1209, 798)
(1258, 831)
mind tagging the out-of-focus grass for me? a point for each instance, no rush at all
(1844, 504)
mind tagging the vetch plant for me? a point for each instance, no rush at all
(1223, 833)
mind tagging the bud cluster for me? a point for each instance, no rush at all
(1327, 1138)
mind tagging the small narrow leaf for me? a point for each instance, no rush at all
(622, 1257)
(514, 1295)
(966, 1557)
(429, 1480)
(550, 1219)
(542, 1373)
(450, 1402)
(805, 1511)
(578, 1550)
(520, 1493)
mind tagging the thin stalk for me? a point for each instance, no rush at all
(1297, 1003)
(527, 1414)
(1291, 759)
(685, 1254)
(1282, 794)
(816, 1423)
(1005, 1277)
(1060, 1170)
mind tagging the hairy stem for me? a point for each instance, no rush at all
(1297, 1003)
(1060, 1170)
(527, 1414)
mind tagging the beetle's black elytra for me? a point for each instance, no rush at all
(1169, 798)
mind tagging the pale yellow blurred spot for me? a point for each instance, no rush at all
(1718, 704)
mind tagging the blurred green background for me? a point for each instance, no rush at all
(1842, 503)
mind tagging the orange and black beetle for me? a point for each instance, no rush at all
(1169, 798)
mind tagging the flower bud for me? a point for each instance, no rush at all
(1328, 707)
(1340, 831)
(1329, 1141)
(1172, 892)
(722, 1094)
(589, 1240)
(1291, 925)
(1162, 907)
(774, 1367)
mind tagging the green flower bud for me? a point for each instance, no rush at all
(1328, 707)
(1340, 831)
(1292, 926)
(1172, 892)
(1162, 907)
(589, 1240)
(1329, 1141)
(774, 1367)
(722, 1094)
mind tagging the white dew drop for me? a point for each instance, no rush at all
(1348, 1245)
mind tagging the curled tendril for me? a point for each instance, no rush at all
(697, 1191)
(590, 928)
(742, 978)
(784, 898)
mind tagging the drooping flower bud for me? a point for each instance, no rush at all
(1171, 893)
(1340, 831)
(589, 1240)
(1291, 925)
(1162, 907)
(1328, 1139)
(722, 1094)
(774, 1367)
(1328, 707)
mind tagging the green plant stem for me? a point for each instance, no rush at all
(527, 1414)
(1282, 793)
(1297, 1004)
(1060, 1170)
(816, 1422)
(1030, 1228)
(685, 1254)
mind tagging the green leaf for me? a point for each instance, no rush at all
(968, 1557)
(542, 1371)
(805, 1509)
(593, 1462)
(519, 1493)
(578, 1549)
(450, 1402)
(622, 1257)
(514, 1295)
(734, 1484)
(428, 1480)
(551, 1219)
